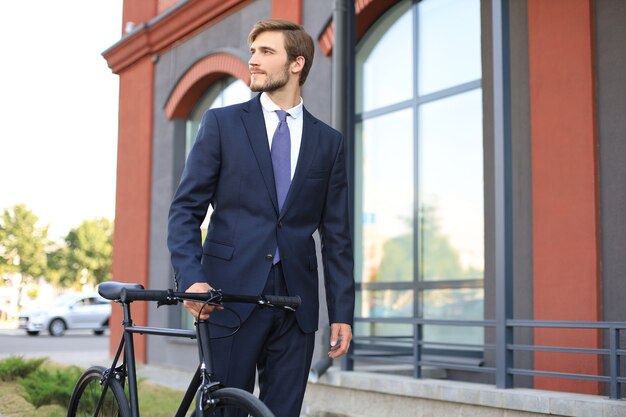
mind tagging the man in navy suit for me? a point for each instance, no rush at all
(252, 225)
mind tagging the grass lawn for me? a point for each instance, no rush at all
(158, 401)
(154, 401)
(13, 403)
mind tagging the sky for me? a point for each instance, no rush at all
(58, 109)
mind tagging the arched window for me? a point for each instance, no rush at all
(419, 212)
(227, 91)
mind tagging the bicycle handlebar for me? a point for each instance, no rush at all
(162, 297)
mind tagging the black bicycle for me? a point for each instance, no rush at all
(108, 392)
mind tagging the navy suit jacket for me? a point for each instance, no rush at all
(230, 168)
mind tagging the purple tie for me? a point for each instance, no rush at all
(281, 161)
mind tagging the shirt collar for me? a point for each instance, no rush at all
(270, 106)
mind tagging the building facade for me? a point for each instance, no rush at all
(425, 168)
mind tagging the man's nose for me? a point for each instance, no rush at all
(253, 62)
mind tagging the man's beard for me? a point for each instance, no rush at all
(272, 83)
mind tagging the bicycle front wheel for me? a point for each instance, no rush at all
(235, 402)
(89, 390)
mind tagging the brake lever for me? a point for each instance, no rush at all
(170, 300)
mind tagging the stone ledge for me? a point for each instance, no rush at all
(516, 399)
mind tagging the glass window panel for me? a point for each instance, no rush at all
(385, 303)
(235, 92)
(385, 200)
(225, 92)
(452, 334)
(398, 334)
(191, 130)
(449, 168)
(448, 44)
(207, 101)
(453, 304)
(451, 188)
(384, 72)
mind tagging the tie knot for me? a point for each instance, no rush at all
(282, 115)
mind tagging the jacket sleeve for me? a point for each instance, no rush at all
(336, 241)
(190, 204)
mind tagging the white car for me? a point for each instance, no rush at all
(69, 311)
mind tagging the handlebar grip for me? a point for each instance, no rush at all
(128, 295)
(284, 301)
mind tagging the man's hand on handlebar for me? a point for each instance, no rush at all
(194, 307)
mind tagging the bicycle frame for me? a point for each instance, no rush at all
(202, 379)
(203, 385)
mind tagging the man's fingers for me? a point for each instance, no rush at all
(334, 337)
(195, 308)
(340, 337)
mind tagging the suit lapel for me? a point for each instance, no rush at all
(308, 146)
(254, 123)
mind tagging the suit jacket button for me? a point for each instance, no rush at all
(280, 224)
(269, 257)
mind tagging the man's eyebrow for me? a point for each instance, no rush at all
(263, 48)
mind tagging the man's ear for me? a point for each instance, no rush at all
(297, 65)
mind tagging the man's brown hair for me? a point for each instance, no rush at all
(297, 41)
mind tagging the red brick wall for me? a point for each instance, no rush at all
(132, 207)
(565, 185)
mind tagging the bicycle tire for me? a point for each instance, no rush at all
(88, 391)
(236, 402)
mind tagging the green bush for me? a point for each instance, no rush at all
(15, 367)
(50, 386)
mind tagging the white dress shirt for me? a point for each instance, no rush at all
(294, 122)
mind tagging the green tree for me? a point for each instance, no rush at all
(22, 245)
(439, 259)
(59, 273)
(86, 256)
